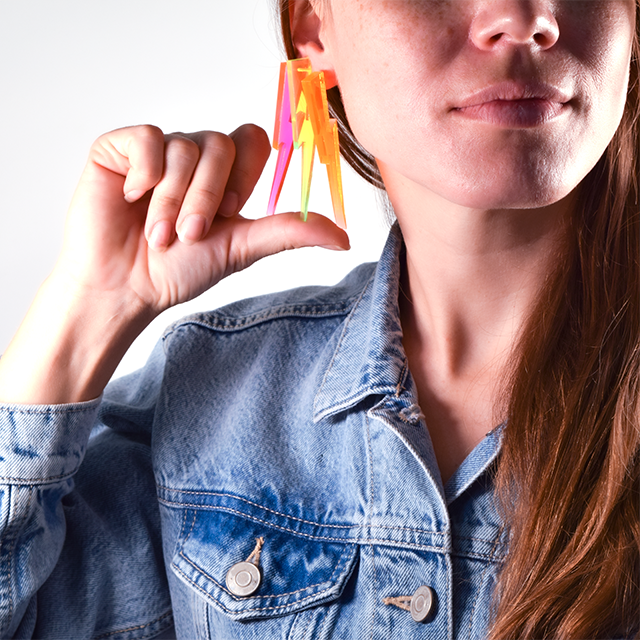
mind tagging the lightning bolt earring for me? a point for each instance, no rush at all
(303, 122)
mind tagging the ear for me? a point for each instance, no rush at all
(308, 36)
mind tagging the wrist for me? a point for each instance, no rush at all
(69, 344)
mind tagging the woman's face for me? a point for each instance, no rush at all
(487, 103)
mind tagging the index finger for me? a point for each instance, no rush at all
(252, 152)
(137, 153)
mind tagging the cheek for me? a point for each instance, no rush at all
(389, 60)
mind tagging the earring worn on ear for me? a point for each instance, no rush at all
(302, 121)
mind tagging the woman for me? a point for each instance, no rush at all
(326, 460)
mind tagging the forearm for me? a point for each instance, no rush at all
(68, 347)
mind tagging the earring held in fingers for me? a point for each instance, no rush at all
(303, 122)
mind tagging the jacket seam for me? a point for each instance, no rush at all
(278, 595)
(253, 504)
(346, 541)
(48, 409)
(482, 578)
(208, 595)
(323, 623)
(359, 540)
(289, 517)
(357, 301)
(239, 323)
(274, 608)
(34, 482)
(288, 529)
(181, 535)
(318, 524)
(12, 542)
(374, 608)
(369, 519)
(138, 628)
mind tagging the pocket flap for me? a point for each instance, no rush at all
(296, 571)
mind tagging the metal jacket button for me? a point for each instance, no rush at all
(243, 579)
(422, 603)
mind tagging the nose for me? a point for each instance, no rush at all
(498, 23)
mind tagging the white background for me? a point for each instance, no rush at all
(73, 69)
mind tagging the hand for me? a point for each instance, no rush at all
(155, 221)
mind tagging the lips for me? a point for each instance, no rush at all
(514, 105)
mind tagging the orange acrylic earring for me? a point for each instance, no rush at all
(303, 122)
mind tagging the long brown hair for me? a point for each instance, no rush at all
(568, 480)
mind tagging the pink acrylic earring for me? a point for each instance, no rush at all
(303, 122)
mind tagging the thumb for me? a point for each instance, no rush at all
(256, 239)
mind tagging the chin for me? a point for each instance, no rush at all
(510, 199)
(513, 189)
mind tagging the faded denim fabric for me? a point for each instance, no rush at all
(290, 418)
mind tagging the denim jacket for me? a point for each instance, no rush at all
(268, 474)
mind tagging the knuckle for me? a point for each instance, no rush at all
(183, 148)
(253, 135)
(147, 138)
(148, 132)
(206, 201)
(243, 179)
(167, 201)
(219, 144)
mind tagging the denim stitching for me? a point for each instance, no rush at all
(183, 527)
(283, 606)
(494, 542)
(208, 595)
(408, 545)
(61, 409)
(484, 573)
(10, 563)
(288, 517)
(193, 524)
(491, 541)
(181, 535)
(292, 632)
(477, 556)
(34, 482)
(14, 543)
(306, 627)
(12, 532)
(324, 622)
(448, 576)
(280, 595)
(371, 480)
(142, 626)
(342, 336)
(216, 322)
(253, 504)
(205, 618)
(369, 518)
(375, 590)
(7, 571)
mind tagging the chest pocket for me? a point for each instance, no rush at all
(294, 572)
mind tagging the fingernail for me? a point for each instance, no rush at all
(334, 247)
(160, 235)
(229, 204)
(134, 195)
(192, 229)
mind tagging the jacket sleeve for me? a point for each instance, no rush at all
(80, 542)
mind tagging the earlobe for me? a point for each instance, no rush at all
(308, 37)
